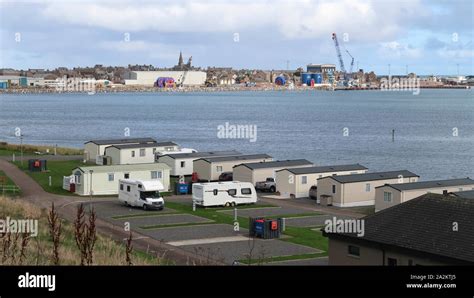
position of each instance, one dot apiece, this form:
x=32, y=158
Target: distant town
x=184, y=76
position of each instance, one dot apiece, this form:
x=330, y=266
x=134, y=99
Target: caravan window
x=142, y=152
x=215, y=191
x=121, y=186
x=128, y=188
x=183, y=164
x=77, y=177
x=218, y=168
x=111, y=177
x=126, y=175
x=246, y=191
x=232, y=192
x=133, y=153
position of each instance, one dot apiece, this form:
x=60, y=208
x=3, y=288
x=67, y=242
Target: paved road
x=33, y=193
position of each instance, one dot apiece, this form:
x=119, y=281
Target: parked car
x=226, y=176
x=267, y=185
x=313, y=192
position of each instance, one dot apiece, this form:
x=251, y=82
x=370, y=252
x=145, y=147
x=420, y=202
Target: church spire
x=180, y=61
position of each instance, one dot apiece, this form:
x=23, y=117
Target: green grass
x=9, y=188
x=57, y=170
x=306, y=237
x=283, y=258
x=298, y=235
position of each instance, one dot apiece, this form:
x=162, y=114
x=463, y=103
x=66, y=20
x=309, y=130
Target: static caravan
x=389, y=195
x=358, y=189
x=260, y=171
x=210, y=168
x=97, y=147
x=296, y=182
x=228, y=193
x=104, y=180
x=182, y=164
x=137, y=153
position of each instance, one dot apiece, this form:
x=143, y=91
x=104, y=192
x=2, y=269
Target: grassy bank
x=39, y=249
x=57, y=170
x=7, y=149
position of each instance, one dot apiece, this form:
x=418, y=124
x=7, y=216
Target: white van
x=140, y=193
x=228, y=193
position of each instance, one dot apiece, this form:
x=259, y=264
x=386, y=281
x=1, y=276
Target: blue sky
x=430, y=37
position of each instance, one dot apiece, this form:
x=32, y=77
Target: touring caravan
x=140, y=193
x=229, y=193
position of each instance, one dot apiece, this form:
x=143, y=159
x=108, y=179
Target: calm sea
x=434, y=131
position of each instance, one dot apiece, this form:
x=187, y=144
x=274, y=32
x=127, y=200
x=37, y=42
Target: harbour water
x=434, y=131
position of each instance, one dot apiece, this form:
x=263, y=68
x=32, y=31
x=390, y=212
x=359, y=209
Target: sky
x=421, y=36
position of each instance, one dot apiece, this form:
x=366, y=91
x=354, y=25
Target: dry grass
x=40, y=250
x=31, y=149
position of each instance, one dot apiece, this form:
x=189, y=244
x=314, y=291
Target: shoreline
x=267, y=88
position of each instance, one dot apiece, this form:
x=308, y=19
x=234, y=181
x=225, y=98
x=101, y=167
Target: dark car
x=226, y=176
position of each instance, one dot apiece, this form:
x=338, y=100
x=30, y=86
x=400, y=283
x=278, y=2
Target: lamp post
x=90, y=184
x=21, y=148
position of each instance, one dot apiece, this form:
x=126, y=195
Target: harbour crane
x=352, y=62
x=339, y=56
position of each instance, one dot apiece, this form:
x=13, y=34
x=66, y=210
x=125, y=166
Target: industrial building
x=260, y=171
x=321, y=68
x=95, y=148
x=389, y=195
x=210, y=168
x=137, y=153
x=148, y=78
x=8, y=81
x=296, y=182
x=104, y=180
x=358, y=189
x=181, y=164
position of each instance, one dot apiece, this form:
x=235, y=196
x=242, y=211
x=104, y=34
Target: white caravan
x=228, y=193
x=141, y=193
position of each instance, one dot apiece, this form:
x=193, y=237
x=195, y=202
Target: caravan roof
x=147, y=185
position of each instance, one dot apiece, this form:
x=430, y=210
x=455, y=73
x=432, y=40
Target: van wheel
x=145, y=207
x=227, y=204
x=233, y=204
x=272, y=189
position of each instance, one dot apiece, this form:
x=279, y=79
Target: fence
x=9, y=189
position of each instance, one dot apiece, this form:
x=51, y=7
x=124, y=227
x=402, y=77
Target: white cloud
x=395, y=49
x=363, y=20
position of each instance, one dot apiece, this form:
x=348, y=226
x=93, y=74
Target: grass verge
x=57, y=170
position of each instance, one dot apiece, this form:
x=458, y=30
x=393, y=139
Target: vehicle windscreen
x=149, y=194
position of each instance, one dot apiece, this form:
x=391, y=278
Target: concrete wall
x=150, y=77
x=406, y=195
x=297, y=188
x=355, y=194
x=339, y=256
x=102, y=186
